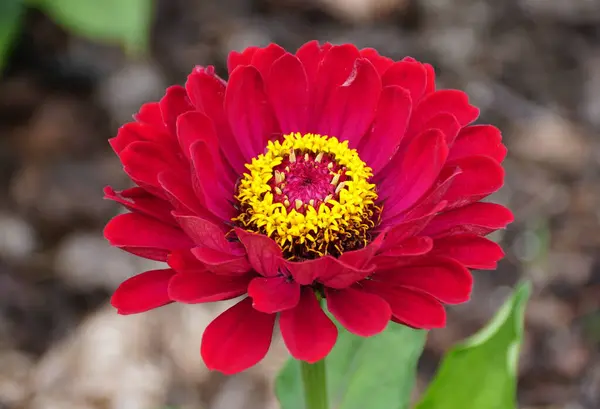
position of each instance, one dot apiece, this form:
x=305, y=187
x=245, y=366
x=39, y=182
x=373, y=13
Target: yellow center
x=311, y=194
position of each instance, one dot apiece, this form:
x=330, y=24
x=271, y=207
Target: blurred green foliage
x=481, y=372
x=374, y=373
x=123, y=22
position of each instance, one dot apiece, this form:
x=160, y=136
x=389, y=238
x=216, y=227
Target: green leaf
x=481, y=372
x=374, y=373
x=11, y=13
x=126, y=22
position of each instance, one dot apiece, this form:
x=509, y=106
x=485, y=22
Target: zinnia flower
x=331, y=175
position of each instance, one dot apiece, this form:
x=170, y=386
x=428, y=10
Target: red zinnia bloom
x=332, y=173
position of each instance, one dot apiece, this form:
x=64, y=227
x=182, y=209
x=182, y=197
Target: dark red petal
x=222, y=263
x=287, y=88
x=391, y=119
x=359, y=312
x=420, y=167
x=207, y=92
x=449, y=101
x=237, y=339
x=184, y=261
x=174, y=103
x=144, y=236
x=444, y=278
x=264, y=58
x=411, y=76
x=143, y=292
x=480, y=177
x=250, y=116
x=474, y=140
x=361, y=258
x=263, y=253
x=204, y=233
x=193, y=287
x=139, y=200
x=479, y=218
x=244, y=58
x=417, y=309
x=306, y=272
x=471, y=250
x=380, y=63
x=413, y=246
x=307, y=331
x=351, y=106
x=150, y=114
x=274, y=294
x=216, y=198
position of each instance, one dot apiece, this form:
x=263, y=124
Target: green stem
x=315, y=384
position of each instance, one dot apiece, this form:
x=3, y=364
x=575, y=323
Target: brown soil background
x=533, y=66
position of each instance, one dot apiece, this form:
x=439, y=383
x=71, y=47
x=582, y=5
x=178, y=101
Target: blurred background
x=72, y=75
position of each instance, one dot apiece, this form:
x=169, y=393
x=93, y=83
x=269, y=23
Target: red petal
x=442, y=277
x=237, y=339
x=274, y=294
x=391, y=118
x=244, y=58
x=380, y=63
x=311, y=55
x=351, y=106
x=144, y=236
x=174, y=103
x=414, y=246
x=361, y=313
x=408, y=228
x=264, y=58
x=217, y=199
x=143, y=292
x=306, y=272
x=184, y=261
x=150, y=114
x=204, y=233
x=287, y=88
x=137, y=132
x=194, y=287
x=411, y=76
x=484, y=140
x=446, y=101
x=430, y=88
x=222, y=263
x=207, y=91
x=263, y=253
x=248, y=111
x=420, y=167
x=447, y=124
x=306, y=330
x=479, y=218
x=139, y=200
x=471, y=250
x=416, y=309
x=480, y=177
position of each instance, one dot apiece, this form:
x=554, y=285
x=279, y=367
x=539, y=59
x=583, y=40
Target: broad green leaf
x=481, y=372
x=126, y=22
x=11, y=13
x=374, y=373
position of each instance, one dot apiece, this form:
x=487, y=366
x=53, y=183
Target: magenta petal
x=411, y=76
x=307, y=331
x=263, y=58
x=274, y=294
x=194, y=287
x=237, y=339
x=144, y=236
x=359, y=312
x=174, y=103
x=143, y=292
x=474, y=140
x=263, y=253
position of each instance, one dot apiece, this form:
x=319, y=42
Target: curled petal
x=143, y=292
x=264, y=254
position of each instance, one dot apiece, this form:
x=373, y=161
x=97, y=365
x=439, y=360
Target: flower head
x=332, y=174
